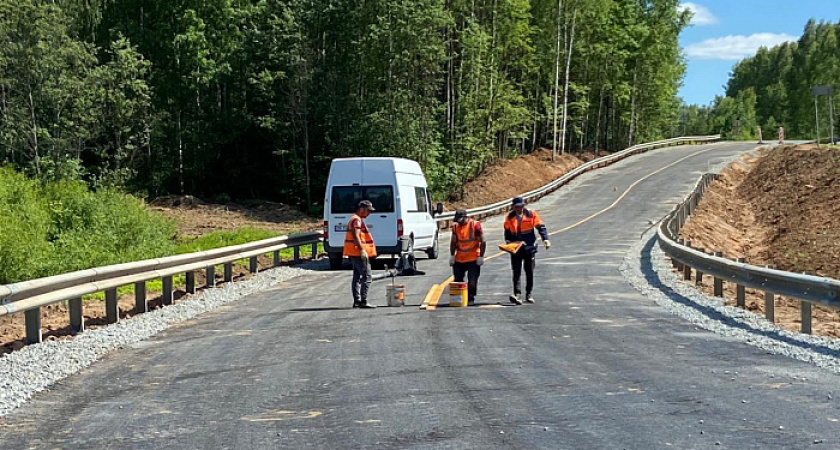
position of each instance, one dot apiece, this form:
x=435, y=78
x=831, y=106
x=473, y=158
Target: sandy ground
x=782, y=209
x=512, y=177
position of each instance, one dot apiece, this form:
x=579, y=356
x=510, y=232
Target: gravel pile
x=36, y=367
x=646, y=267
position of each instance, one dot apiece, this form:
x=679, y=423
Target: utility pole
x=817, y=114
x=831, y=115
x=817, y=91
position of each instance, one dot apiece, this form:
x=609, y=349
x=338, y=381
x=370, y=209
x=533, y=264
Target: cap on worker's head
x=518, y=201
x=460, y=214
x=366, y=204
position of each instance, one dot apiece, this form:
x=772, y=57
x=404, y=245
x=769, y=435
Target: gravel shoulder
x=647, y=268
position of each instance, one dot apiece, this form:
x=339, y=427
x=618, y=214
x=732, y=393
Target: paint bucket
x=458, y=295
x=396, y=294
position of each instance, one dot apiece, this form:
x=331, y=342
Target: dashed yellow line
x=433, y=296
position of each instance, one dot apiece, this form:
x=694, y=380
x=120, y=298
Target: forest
x=254, y=98
x=773, y=89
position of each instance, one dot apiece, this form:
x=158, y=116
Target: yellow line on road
x=433, y=296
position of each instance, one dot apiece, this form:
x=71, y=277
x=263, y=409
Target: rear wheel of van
x=432, y=252
x=336, y=260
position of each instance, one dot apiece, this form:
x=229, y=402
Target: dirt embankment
x=512, y=177
x=782, y=209
x=195, y=217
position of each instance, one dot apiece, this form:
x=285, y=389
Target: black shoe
x=366, y=305
x=471, y=302
x=357, y=304
x=515, y=299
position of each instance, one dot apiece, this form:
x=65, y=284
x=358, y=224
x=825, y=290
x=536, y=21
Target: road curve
x=592, y=365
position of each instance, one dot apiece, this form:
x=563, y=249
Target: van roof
x=398, y=164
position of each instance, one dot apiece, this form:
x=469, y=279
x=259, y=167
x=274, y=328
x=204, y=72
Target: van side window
x=344, y=199
x=420, y=196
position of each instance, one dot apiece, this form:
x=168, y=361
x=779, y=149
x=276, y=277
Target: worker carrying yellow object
x=522, y=225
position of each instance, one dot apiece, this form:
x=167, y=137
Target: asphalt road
x=592, y=365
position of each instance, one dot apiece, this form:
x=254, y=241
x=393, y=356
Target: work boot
x=366, y=305
x=529, y=299
x=515, y=299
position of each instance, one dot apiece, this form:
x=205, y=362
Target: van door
x=382, y=223
x=423, y=224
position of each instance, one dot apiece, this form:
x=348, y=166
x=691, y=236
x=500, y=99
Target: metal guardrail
x=808, y=289
x=503, y=206
x=30, y=296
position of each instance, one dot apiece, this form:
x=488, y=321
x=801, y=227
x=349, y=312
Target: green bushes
x=52, y=228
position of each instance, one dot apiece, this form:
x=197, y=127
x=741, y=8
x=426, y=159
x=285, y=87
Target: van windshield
x=345, y=199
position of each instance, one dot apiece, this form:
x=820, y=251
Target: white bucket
x=395, y=294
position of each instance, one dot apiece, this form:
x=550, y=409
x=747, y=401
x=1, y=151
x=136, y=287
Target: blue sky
x=725, y=31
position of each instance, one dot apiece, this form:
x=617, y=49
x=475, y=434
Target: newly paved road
x=592, y=365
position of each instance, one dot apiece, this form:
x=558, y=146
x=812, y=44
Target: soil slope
x=781, y=208
x=512, y=177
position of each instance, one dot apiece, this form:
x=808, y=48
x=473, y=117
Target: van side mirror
x=438, y=209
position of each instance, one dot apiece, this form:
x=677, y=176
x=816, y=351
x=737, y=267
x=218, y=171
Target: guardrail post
x=276, y=258
x=770, y=306
x=740, y=291
x=686, y=267
x=191, y=282
x=228, y=272
x=253, y=267
x=166, y=296
x=112, y=310
x=211, y=277
x=140, y=304
x=32, y=318
x=718, y=282
x=314, y=250
x=699, y=274
x=806, y=317
x=677, y=264
x=77, y=319
x=297, y=254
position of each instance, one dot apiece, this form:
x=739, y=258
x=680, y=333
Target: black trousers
x=472, y=271
x=517, y=260
x=362, y=277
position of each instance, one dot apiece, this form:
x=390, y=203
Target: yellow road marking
x=433, y=296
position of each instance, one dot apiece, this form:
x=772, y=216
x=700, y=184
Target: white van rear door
x=382, y=223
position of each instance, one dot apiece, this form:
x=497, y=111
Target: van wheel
x=432, y=252
x=336, y=260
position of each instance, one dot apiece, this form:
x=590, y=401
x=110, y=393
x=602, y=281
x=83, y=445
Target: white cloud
x=702, y=15
x=734, y=48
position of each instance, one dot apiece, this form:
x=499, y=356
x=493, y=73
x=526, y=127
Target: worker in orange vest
x=467, y=248
x=522, y=225
x=359, y=248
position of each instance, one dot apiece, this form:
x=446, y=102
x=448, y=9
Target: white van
x=399, y=193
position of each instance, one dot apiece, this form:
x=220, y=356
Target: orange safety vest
x=350, y=247
x=530, y=221
x=468, y=245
